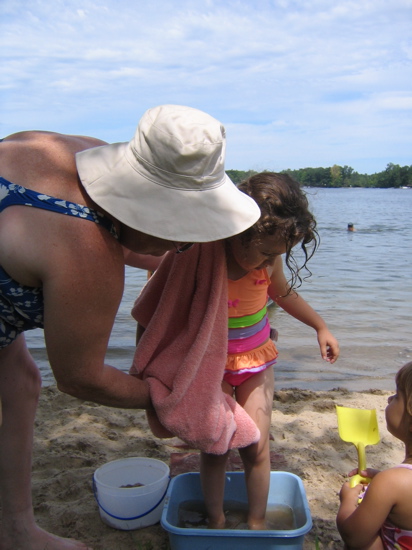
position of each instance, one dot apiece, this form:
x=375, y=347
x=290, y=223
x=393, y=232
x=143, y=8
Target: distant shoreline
x=340, y=177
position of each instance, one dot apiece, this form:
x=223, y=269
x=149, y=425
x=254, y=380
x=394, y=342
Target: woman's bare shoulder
x=39, y=138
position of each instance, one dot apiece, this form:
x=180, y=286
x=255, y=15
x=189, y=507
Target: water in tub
x=192, y=515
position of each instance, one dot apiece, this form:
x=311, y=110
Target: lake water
x=361, y=284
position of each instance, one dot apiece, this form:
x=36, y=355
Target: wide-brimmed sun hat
x=169, y=181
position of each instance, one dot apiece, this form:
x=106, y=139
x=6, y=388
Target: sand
x=73, y=438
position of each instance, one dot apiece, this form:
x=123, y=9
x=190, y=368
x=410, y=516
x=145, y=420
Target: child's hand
x=350, y=495
x=369, y=472
x=329, y=346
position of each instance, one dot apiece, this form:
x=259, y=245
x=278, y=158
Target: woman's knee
x=18, y=370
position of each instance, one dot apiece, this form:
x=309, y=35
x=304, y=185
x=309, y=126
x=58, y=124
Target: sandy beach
x=73, y=438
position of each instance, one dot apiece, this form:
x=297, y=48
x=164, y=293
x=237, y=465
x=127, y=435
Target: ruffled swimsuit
x=21, y=307
x=250, y=349
x=393, y=537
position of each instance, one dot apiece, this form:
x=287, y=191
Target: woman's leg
x=20, y=385
x=255, y=395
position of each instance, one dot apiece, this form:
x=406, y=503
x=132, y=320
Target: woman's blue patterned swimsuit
x=21, y=307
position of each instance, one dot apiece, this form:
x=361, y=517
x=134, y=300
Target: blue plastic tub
x=286, y=489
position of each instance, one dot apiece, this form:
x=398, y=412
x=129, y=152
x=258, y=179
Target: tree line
x=394, y=175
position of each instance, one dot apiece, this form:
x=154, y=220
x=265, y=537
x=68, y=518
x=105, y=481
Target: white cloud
x=309, y=79
x=395, y=101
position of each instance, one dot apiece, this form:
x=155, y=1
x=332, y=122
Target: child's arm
x=296, y=306
x=359, y=525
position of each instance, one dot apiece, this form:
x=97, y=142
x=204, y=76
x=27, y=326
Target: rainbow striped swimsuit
x=250, y=349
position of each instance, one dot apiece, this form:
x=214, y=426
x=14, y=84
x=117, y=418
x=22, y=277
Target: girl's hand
x=369, y=472
x=349, y=495
x=329, y=346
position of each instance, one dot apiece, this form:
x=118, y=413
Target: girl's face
x=257, y=255
x=397, y=419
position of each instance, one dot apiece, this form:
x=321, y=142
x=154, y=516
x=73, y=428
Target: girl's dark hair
x=404, y=384
x=284, y=213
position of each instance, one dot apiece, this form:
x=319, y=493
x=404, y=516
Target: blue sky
x=296, y=83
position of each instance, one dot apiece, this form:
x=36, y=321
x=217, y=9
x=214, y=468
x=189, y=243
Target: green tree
x=237, y=176
x=336, y=176
x=347, y=172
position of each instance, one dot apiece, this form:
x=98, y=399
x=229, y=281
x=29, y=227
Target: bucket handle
x=128, y=519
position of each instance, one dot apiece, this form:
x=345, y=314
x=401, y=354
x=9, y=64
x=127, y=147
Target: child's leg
x=256, y=397
x=377, y=544
x=212, y=476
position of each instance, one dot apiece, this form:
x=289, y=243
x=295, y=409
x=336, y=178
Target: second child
x=383, y=519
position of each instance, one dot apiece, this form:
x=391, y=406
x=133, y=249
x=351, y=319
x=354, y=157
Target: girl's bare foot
x=218, y=523
x=257, y=525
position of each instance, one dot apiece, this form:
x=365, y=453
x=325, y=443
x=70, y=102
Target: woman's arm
x=141, y=261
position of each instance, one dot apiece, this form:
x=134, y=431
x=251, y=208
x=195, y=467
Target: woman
x=65, y=273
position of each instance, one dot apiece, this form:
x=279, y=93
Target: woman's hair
x=404, y=384
x=284, y=213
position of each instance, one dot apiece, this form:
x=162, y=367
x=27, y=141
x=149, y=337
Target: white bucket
x=128, y=508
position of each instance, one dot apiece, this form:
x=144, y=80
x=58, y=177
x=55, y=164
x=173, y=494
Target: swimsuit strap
x=408, y=466
x=12, y=194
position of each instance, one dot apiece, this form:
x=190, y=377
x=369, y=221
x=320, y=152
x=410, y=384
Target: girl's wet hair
x=284, y=213
x=404, y=384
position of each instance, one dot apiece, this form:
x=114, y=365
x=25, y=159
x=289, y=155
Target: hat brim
x=173, y=214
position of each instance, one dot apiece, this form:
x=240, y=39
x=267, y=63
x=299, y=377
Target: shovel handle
x=359, y=480
x=361, y=456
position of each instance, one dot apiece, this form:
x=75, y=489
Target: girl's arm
x=359, y=525
x=296, y=306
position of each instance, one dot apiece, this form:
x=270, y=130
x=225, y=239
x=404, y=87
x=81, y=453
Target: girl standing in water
x=255, y=271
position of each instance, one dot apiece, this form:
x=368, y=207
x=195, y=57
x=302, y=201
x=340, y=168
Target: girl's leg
x=377, y=544
x=212, y=476
x=19, y=393
x=256, y=397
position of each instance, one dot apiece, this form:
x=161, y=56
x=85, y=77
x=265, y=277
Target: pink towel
x=182, y=353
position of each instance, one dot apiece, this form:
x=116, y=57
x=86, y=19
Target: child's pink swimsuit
x=250, y=349
x=394, y=538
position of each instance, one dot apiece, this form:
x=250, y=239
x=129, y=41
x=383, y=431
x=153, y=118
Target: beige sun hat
x=169, y=181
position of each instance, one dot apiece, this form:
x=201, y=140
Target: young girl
x=255, y=271
x=383, y=519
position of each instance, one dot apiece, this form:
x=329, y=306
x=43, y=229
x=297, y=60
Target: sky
x=296, y=83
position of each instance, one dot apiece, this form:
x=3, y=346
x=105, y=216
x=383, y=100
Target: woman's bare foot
x=37, y=539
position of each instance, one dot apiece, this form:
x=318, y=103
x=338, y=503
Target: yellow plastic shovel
x=360, y=427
